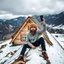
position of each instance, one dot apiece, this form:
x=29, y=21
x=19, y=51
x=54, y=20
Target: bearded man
x=34, y=40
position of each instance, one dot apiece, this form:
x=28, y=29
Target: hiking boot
x=48, y=62
x=45, y=56
x=20, y=58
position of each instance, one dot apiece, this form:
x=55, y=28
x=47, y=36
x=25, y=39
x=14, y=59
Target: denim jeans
x=40, y=41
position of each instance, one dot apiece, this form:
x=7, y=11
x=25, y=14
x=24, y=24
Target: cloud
x=31, y=7
x=8, y=16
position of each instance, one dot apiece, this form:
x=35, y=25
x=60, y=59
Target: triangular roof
x=33, y=19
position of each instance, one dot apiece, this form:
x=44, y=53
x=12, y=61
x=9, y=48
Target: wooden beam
x=48, y=41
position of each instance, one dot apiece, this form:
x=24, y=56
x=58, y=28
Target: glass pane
x=23, y=38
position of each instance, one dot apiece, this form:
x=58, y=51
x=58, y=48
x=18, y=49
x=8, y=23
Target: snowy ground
x=55, y=53
x=59, y=38
x=7, y=51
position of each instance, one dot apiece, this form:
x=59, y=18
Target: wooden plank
x=19, y=62
x=48, y=41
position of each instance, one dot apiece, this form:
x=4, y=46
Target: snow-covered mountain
x=56, y=19
x=10, y=25
x=58, y=29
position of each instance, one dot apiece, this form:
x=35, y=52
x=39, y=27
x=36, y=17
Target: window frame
x=23, y=38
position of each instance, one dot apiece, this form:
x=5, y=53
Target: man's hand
x=33, y=47
x=43, y=22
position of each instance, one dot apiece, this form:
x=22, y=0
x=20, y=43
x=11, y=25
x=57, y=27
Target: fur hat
x=33, y=25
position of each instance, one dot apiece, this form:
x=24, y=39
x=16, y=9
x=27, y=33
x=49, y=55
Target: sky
x=15, y=8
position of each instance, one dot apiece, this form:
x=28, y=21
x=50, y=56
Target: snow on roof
x=55, y=53
x=60, y=39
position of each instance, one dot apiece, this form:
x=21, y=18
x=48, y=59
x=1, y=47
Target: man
x=34, y=41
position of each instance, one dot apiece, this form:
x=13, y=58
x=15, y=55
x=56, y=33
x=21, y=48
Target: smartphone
x=41, y=17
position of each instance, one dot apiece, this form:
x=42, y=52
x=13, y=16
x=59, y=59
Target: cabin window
x=23, y=38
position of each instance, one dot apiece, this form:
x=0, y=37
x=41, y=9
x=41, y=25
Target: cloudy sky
x=14, y=8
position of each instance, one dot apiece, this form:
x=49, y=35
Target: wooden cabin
x=24, y=29
x=20, y=36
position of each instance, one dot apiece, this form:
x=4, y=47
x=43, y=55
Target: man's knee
x=25, y=45
x=41, y=38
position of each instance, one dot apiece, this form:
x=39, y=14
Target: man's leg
x=42, y=42
x=21, y=57
x=24, y=49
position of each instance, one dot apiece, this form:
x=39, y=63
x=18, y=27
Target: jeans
x=40, y=41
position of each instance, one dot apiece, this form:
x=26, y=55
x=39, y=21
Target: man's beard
x=33, y=31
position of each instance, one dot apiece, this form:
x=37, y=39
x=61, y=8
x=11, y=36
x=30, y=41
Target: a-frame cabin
x=19, y=37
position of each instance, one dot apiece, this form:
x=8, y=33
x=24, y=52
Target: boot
x=45, y=56
x=20, y=58
x=48, y=62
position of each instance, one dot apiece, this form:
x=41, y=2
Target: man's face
x=33, y=30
